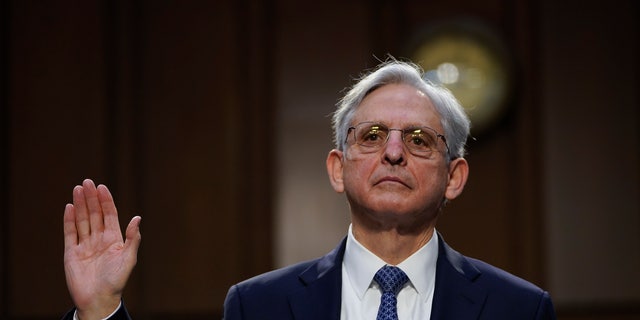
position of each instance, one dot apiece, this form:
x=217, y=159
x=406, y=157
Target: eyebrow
x=407, y=126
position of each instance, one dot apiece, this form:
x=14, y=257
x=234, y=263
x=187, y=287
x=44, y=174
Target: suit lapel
x=456, y=296
x=320, y=295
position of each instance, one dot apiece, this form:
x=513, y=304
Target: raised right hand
x=97, y=261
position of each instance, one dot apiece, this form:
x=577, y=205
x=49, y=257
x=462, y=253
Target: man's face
x=394, y=182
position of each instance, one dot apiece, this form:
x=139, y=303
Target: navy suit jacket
x=465, y=288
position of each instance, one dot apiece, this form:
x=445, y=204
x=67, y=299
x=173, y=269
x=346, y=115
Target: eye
x=419, y=139
x=372, y=135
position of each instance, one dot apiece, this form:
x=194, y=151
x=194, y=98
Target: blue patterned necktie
x=391, y=280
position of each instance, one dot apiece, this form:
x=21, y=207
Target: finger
x=93, y=204
x=132, y=242
x=81, y=213
x=70, y=231
x=108, y=209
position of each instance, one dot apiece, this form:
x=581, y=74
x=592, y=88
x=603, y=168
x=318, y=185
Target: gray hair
x=453, y=118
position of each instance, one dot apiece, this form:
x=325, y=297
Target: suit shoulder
x=483, y=274
x=272, y=290
x=278, y=280
x=501, y=280
x=268, y=291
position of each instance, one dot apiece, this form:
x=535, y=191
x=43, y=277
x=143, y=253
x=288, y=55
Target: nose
x=394, y=150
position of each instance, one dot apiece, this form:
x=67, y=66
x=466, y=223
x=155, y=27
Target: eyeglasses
x=420, y=141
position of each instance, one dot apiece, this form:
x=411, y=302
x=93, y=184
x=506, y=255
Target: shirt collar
x=361, y=265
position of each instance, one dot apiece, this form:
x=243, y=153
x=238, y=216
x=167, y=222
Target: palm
x=97, y=260
x=95, y=266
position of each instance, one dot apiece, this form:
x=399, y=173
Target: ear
x=334, y=169
x=458, y=174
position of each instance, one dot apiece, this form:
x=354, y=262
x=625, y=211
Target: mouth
x=391, y=180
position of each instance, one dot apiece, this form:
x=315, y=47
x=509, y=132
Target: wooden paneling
x=166, y=103
x=56, y=136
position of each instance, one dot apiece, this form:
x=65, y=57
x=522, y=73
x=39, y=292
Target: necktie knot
x=391, y=279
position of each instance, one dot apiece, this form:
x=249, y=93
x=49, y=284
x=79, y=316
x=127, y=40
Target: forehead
x=398, y=105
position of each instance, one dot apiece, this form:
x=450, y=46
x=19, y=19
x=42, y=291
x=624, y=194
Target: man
x=398, y=159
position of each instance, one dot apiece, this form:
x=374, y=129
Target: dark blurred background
x=210, y=119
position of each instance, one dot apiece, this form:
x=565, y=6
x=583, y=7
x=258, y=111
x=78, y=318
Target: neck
x=392, y=245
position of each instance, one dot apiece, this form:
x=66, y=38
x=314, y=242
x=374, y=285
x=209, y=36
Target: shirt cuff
x=75, y=313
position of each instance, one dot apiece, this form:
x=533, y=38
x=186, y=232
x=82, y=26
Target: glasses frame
x=403, y=132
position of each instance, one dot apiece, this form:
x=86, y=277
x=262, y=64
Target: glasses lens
x=420, y=139
x=371, y=135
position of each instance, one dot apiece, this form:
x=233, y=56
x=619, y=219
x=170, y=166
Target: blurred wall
x=211, y=120
x=591, y=153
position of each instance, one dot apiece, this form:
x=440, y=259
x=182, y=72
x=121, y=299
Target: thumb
x=133, y=238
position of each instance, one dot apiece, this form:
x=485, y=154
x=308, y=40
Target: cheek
x=432, y=179
x=357, y=171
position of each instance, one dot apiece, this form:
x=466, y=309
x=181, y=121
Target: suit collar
x=320, y=294
x=456, y=296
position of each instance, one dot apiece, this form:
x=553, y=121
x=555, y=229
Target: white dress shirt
x=361, y=295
